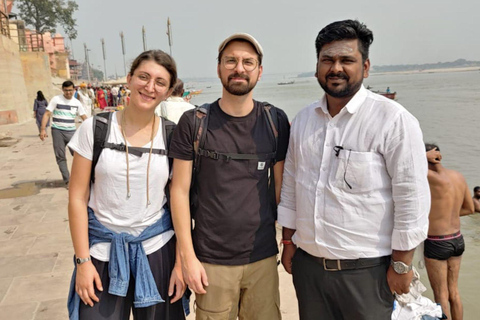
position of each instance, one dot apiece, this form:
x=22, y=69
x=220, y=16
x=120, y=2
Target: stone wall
x=36, y=71
x=62, y=66
x=22, y=74
x=14, y=103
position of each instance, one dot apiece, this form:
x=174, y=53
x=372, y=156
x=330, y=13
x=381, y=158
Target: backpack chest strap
x=136, y=151
x=235, y=156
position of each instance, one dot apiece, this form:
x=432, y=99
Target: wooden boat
x=191, y=92
x=286, y=82
x=389, y=95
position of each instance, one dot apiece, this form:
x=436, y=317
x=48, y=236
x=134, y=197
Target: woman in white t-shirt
x=127, y=197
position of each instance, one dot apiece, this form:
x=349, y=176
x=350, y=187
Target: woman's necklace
x=124, y=122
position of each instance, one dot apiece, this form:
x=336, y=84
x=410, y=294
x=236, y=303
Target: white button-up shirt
x=355, y=185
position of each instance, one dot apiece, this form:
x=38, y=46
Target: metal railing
x=36, y=41
x=28, y=41
x=4, y=24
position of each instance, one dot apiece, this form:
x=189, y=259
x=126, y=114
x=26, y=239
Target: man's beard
x=349, y=90
x=238, y=89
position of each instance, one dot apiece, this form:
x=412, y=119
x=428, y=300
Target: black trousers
x=60, y=139
x=113, y=307
x=340, y=295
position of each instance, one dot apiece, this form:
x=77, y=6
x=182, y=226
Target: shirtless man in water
x=444, y=246
x=476, y=198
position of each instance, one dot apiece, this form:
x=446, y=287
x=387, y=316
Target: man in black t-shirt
x=229, y=260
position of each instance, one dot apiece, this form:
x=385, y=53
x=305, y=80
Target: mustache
x=340, y=75
x=238, y=75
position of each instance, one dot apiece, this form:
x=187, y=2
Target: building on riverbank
x=28, y=61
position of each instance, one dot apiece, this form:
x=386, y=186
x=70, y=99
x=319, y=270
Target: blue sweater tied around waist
x=126, y=256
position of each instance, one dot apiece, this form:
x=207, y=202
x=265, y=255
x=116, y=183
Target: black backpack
x=101, y=131
x=201, y=115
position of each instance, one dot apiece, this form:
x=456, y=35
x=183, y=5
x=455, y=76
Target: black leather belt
x=346, y=264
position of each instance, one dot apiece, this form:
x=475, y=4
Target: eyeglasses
x=231, y=63
x=160, y=85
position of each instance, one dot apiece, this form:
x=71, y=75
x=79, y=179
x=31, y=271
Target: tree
x=46, y=15
x=97, y=74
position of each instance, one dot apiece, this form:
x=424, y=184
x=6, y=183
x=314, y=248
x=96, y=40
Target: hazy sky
x=406, y=32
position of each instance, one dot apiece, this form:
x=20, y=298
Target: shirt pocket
x=359, y=172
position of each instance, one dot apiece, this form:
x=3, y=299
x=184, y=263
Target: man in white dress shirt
x=355, y=196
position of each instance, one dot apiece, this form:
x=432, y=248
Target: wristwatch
x=82, y=260
x=400, y=267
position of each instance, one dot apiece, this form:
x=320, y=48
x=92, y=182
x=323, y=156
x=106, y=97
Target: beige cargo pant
x=249, y=292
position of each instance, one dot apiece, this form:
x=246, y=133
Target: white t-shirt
x=108, y=195
x=64, y=112
x=173, y=108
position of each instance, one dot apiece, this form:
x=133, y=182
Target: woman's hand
x=87, y=275
x=177, y=284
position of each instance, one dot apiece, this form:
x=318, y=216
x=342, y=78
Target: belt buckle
x=339, y=268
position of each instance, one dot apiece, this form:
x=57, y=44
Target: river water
x=447, y=106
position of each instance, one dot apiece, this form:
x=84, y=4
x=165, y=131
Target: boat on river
x=286, y=82
x=389, y=95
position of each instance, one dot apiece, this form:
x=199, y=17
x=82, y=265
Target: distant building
x=54, y=45
x=75, y=69
x=5, y=9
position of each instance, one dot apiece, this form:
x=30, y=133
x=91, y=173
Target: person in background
x=39, y=107
x=109, y=96
x=115, y=95
x=445, y=245
x=121, y=96
x=476, y=198
x=127, y=97
x=64, y=108
x=101, y=98
x=85, y=99
x=124, y=210
x=174, y=107
x=355, y=200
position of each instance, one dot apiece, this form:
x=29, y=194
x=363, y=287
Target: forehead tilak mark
x=337, y=49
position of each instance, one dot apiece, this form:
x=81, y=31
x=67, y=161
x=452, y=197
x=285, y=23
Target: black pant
x=358, y=294
x=60, y=139
x=113, y=307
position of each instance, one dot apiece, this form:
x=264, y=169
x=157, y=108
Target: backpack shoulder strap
x=101, y=130
x=201, y=123
x=168, y=127
x=200, y=131
x=272, y=119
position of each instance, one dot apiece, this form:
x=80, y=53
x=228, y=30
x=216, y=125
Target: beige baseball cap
x=242, y=36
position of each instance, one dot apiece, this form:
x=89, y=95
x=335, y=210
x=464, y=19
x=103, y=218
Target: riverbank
x=443, y=70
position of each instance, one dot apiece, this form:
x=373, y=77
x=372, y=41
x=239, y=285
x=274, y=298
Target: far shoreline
x=441, y=70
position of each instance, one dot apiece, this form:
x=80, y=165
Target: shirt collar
x=352, y=105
